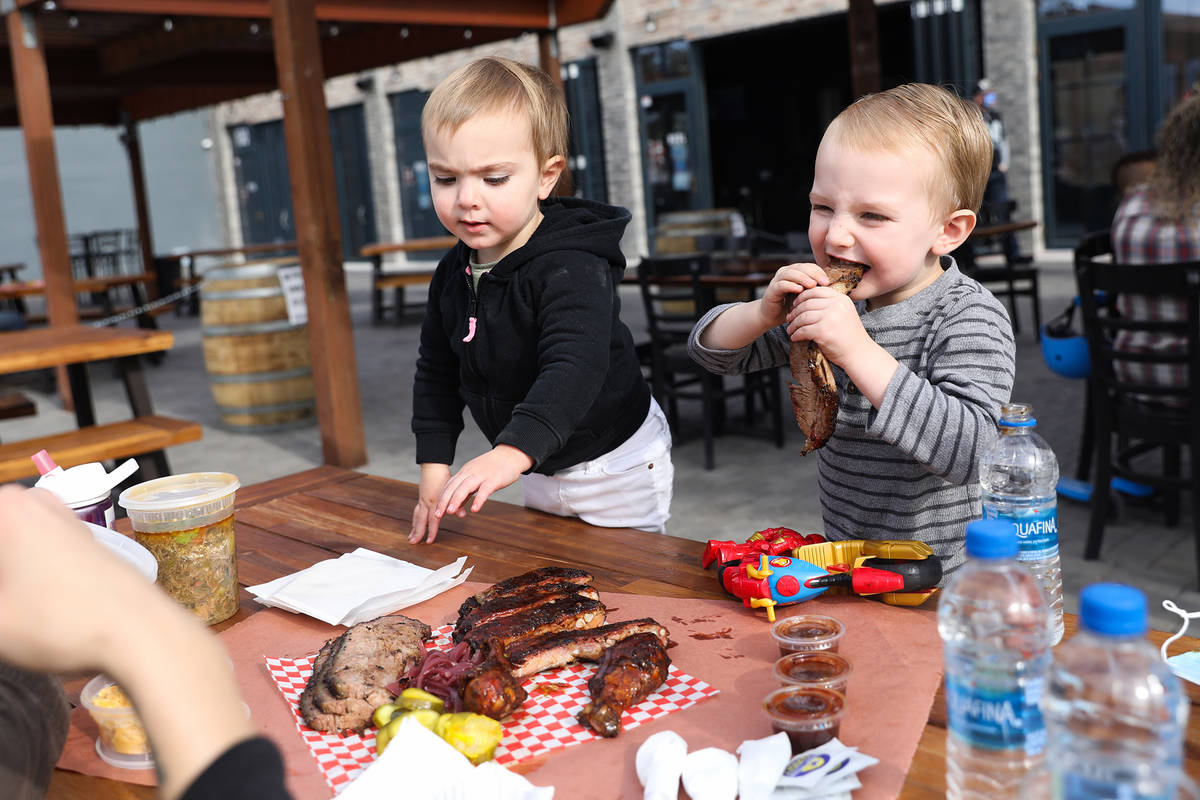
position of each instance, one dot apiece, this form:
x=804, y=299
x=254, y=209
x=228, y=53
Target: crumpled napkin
x=357, y=587
x=419, y=763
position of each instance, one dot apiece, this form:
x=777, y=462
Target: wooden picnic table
x=401, y=279
x=76, y=346
x=289, y=523
x=100, y=287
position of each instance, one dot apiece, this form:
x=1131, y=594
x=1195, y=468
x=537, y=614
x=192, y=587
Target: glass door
x=1093, y=110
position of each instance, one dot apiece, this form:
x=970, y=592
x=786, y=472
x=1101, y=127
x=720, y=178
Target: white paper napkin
x=419, y=763
x=358, y=586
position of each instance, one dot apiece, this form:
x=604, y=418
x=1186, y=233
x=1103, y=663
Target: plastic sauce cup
x=186, y=522
x=807, y=632
x=122, y=741
x=823, y=668
x=809, y=715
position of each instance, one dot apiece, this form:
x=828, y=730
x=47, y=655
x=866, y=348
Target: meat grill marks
x=508, y=605
x=525, y=582
x=351, y=672
x=562, y=614
x=530, y=656
x=629, y=671
x=814, y=391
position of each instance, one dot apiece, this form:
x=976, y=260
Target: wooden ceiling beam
x=157, y=102
x=152, y=46
x=373, y=46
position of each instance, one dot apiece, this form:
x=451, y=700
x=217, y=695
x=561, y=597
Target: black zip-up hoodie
x=538, y=353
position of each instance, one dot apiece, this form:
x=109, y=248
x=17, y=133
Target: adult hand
x=62, y=596
x=481, y=476
x=425, y=524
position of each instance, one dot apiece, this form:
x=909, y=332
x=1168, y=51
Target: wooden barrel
x=258, y=362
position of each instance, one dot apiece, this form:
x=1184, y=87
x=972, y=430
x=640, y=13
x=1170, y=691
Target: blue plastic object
x=991, y=538
x=1081, y=491
x=1113, y=609
x=1064, y=350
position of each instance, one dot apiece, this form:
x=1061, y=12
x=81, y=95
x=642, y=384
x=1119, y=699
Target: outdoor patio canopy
x=117, y=62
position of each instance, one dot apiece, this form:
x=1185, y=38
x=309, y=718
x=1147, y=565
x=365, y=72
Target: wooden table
x=101, y=288
x=173, y=264
x=76, y=346
x=287, y=524
x=398, y=281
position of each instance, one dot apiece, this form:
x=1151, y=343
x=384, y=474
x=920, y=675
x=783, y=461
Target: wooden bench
x=142, y=436
x=398, y=281
x=16, y=404
x=708, y=230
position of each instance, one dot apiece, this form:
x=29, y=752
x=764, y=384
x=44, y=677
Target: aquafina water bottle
x=1019, y=475
x=1116, y=715
x=993, y=620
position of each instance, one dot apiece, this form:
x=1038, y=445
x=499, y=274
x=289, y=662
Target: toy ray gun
x=764, y=572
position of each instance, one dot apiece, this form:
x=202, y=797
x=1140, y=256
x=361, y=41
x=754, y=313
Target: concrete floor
x=754, y=485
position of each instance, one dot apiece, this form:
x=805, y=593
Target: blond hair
x=500, y=84
x=1174, y=186
x=918, y=115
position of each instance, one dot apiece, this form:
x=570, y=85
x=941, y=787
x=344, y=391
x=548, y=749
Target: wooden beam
x=154, y=45
x=864, y=48
x=165, y=100
x=32, y=84
x=373, y=45
x=318, y=231
x=133, y=147
x=548, y=58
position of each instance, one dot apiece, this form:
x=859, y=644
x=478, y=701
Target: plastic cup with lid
x=186, y=522
x=86, y=489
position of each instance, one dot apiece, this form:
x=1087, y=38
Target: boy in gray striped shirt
x=923, y=355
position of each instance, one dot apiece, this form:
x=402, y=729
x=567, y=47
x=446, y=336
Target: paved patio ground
x=754, y=485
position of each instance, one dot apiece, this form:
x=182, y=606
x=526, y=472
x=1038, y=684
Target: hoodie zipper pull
x=471, y=314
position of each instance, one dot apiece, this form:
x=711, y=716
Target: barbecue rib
x=509, y=605
x=524, y=582
x=351, y=672
x=563, y=614
x=814, y=391
x=494, y=691
x=629, y=671
x=552, y=650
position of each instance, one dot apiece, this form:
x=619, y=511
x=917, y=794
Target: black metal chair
x=1134, y=418
x=674, y=300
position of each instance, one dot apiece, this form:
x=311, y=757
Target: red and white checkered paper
x=545, y=722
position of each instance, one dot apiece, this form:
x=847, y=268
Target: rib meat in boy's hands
x=814, y=392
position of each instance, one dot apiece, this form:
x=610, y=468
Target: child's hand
x=481, y=476
x=784, y=288
x=829, y=318
x=425, y=524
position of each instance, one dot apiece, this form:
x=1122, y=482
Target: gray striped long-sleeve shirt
x=908, y=470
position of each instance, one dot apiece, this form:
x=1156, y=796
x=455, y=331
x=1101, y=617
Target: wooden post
x=32, y=86
x=548, y=57
x=133, y=147
x=864, y=48
x=318, y=232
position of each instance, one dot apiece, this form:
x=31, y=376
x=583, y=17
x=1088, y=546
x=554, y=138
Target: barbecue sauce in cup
x=823, y=668
x=807, y=632
x=809, y=715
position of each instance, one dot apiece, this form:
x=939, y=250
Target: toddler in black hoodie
x=523, y=321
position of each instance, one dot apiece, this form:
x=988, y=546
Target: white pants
x=629, y=487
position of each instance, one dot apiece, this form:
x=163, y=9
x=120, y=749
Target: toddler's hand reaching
x=433, y=479
x=481, y=476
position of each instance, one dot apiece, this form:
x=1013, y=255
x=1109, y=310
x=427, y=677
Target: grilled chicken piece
x=509, y=605
x=524, y=582
x=553, y=650
x=814, y=391
x=629, y=671
x=351, y=672
x=563, y=614
x=494, y=691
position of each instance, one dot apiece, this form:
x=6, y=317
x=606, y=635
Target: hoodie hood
x=571, y=223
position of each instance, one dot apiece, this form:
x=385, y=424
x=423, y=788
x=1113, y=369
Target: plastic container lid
x=179, y=501
x=1113, y=609
x=991, y=538
x=82, y=485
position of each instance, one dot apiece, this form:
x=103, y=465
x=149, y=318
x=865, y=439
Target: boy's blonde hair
x=501, y=84
x=930, y=117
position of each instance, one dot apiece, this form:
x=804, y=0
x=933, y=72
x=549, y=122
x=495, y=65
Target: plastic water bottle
x=1116, y=715
x=993, y=619
x=1018, y=475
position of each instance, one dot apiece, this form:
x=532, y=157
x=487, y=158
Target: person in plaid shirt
x=1159, y=223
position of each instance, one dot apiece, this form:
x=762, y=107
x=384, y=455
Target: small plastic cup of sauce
x=123, y=741
x=806, y=633
x=809, y=715
x=823, y=668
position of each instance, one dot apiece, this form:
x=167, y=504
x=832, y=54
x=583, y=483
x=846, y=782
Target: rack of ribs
x=525, y=582
x=629, y=671
x=565, y=613
x=814, y=390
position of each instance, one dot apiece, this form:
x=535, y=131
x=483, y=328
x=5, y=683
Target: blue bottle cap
x=991, y=538
x=1113, y=609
